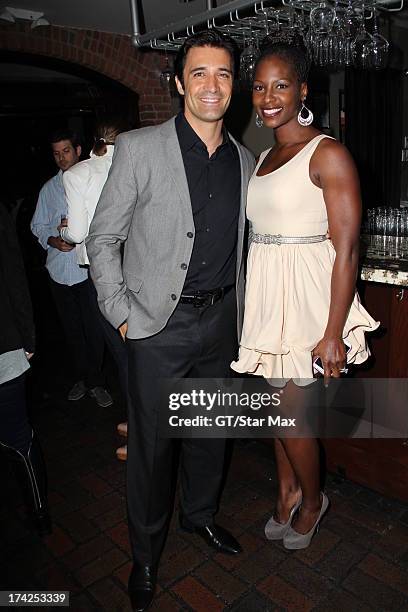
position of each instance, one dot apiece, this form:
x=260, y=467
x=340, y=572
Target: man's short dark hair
x=207, y=38
x=65, y=134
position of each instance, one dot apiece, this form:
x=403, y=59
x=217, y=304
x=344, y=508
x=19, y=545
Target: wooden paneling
x=398, y=352
x=381, y=464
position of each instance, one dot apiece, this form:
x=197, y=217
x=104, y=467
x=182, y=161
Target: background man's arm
x=41, y=224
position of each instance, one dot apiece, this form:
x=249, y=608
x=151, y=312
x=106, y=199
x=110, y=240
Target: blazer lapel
x=174, y=162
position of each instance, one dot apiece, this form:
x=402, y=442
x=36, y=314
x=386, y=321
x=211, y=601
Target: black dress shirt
x=215, y=192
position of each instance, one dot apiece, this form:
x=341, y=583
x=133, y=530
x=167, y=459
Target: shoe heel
x=296, y=541
x=276, y=531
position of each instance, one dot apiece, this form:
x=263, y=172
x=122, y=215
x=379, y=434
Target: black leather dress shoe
x=215, y=536
x=141, y=586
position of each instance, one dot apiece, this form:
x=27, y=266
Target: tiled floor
x=358, y=561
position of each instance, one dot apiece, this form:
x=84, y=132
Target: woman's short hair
x=208, y=38
x=289, y=47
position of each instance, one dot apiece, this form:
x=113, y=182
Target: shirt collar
x=188, y=138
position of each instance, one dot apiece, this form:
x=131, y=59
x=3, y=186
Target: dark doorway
x=39, y=94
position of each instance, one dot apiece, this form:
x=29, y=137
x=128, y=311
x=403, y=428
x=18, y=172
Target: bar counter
x=385, y=270
x=380, y=464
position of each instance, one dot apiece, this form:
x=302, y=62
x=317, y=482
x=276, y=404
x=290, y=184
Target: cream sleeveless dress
x=288, y=289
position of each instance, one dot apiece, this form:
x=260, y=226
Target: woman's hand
x=332, y=352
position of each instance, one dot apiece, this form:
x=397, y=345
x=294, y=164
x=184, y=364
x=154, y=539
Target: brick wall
x=109, y=54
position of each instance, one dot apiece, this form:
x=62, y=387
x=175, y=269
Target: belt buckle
x=211, y=299
x=201, y=300
x=219, y=295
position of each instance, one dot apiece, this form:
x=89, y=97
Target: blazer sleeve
x=109, y=230
x=15, y=284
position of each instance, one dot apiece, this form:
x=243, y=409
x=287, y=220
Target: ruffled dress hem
x=295, y=363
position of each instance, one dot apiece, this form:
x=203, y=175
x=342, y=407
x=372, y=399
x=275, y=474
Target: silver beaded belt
x=278, y=239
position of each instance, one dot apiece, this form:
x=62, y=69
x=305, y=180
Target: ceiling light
x=5, y=15
x=39, y=22
x=10, y=13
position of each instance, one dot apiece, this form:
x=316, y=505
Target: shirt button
x=207, y=229
x=203, y=263
x=190, y=234
x=210, y=195
x=173, y=296
x=183, y=266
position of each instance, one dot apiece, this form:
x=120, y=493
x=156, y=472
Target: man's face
x=208, y=80
x=65, y=154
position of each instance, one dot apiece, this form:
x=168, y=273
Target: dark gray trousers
x=199, y=343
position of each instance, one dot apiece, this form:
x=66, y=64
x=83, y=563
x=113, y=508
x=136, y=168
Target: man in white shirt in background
x=83, y=184
x=69, y=282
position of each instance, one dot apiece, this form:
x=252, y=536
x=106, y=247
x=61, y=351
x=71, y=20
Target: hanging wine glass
x=166, y=75
x=248, y=60
x=361, y=48
x=332, y=41
x=361, y=45
x=302, y=20
x=334, y=33
x=379, y=46
x=348, y=26
x=320, y=50
x=322, y=18
x=271, y=21
x=287, y=17
x=336, y=37
x=305, y=28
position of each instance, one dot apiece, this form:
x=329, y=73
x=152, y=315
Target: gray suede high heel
x=275, y=530
x=294, y=540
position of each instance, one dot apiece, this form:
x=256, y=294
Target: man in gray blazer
x=175, y=198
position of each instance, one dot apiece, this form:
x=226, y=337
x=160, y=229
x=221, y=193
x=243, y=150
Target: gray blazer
x=145, y=205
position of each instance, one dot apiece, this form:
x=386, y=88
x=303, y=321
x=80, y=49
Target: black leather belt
x=205, y=298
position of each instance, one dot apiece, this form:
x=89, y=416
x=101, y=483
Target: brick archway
x=109, y=54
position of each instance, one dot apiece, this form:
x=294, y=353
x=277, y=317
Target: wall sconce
x=11, y=14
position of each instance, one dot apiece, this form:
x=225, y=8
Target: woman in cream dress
x=300, y=299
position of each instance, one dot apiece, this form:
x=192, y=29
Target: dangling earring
x=305, y=121
x=258, y=121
